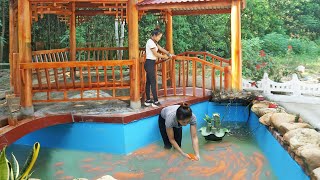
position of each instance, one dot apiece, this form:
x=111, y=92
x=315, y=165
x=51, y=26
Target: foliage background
x=288, y=32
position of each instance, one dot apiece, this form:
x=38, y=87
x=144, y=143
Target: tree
x=3, y=28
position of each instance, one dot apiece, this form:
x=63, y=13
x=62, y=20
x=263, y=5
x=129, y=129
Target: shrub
x=275, y=44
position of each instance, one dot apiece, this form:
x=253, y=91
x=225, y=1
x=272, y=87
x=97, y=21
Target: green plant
x=10, y=170
x=213, y=126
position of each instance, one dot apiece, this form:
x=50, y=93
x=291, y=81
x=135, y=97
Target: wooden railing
x=104, y=77
x=185, y=75
x=82, y=54
x=208, y=57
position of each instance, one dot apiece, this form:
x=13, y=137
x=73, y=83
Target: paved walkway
x=308, y=107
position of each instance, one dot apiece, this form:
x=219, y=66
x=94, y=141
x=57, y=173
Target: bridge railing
x=105, y=78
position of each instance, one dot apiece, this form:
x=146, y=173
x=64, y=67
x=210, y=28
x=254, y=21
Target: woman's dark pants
x=149, y=67
x=177, y=133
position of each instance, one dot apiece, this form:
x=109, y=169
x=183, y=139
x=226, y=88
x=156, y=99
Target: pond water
x=236, y=157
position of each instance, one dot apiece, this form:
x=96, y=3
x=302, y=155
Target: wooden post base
x=135, y=104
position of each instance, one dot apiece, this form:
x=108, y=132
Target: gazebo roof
x=188, y=7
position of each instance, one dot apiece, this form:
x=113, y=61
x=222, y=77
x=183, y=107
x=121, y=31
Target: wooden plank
x=98, y=81
x=121, y=75
x=185, y=5
x=48, y=82
x=64, y=77
x=203, y=81
x=102, y=49
x=124, y=98
x=201, y=12
x=194, y=78
x=183, y=78
x=70, y=86
x=174, y=77
x=49, y=51
x=113, y=82
x=105, y=75
x=89, y=76
x=75, y=64
x=164, y=78
x=213, y=79
x=81, y=82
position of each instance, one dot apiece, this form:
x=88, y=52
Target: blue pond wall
x=126, y=138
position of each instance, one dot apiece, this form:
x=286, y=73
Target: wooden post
x=73, y=46
x=169, y=31
x=236, y=45
x=135, y=102
x=11, y=35
x=24, y=35
x=227, y=78
x=169, y=40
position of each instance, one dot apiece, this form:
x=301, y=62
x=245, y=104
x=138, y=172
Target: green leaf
x=4, y=167
x=15, y=166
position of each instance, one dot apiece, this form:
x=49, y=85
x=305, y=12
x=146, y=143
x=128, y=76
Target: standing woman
x=152, y=55
x=171, y=120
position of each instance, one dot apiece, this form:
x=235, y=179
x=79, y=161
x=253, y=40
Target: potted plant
x=213, y=130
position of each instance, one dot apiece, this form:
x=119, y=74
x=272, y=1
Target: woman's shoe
x=156, y=104
x=148, y=102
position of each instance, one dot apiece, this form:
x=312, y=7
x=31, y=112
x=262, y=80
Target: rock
x=315, y=175
x=301, y=69
x=311, y=158
x=106, y=177
x=263, y=104
x=265, y=119
x=301, y=137
x=263, y=111
x=308, y=146
x=285, y=127
x=278, y=118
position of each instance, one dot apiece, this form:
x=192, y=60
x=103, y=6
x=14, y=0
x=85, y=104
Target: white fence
x=294, y=87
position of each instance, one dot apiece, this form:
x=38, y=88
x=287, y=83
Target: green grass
x=310, y=62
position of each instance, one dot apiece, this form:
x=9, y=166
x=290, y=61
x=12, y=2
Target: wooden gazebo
x=79, y=69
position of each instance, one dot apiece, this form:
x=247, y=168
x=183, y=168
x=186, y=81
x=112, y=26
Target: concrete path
x=308, y=107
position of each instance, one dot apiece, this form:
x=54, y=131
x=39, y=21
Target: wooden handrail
x=205, y=53
x=49, y=51
x=75, y=64
x=198, y=60
x=102, y=48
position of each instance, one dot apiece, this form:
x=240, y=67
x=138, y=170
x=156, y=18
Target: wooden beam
x=134, y=54
x=200, y=12
x=181, y=5
x=78, y=1
x=236, y=52
x=24, y=33
x=72, y=39
x=94, y=12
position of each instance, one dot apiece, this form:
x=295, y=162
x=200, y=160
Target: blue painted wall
x=281, y=162
x=230, y=113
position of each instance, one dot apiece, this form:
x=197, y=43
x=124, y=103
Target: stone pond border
x=259, y=106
